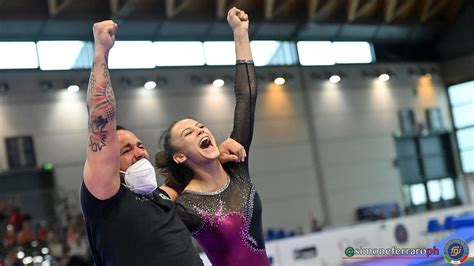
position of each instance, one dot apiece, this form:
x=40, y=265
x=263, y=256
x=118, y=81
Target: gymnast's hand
x=231, y=151
x=104, y=35
x=238, y=19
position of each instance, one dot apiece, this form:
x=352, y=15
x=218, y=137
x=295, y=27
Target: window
x=460, y=94
x=461, y=117
x=467, y=161
x=18, y=55
x=461, y=97
x=273, y=53
x=434, y=190
x=448, y=191
x=64, y=55
x=178, y=53
x=132, y=54
x=219, y=53
x=352, y=52
x=330, y=53
x=418, y=194
x=315, y=53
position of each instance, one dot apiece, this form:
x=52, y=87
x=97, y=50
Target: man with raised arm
x=129, y=220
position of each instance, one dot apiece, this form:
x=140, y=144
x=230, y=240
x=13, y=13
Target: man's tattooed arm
x=100, y=107
x=101, y=170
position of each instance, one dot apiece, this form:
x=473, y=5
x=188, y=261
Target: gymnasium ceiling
x=401, y=30
x=382, y=21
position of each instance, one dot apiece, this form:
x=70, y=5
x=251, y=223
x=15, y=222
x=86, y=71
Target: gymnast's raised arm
x=245, y=80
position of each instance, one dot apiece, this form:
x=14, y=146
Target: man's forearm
x=100, y=103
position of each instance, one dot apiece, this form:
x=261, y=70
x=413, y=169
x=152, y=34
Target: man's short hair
x=119, y=127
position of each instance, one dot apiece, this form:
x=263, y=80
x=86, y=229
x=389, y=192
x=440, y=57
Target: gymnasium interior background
x=373, y=122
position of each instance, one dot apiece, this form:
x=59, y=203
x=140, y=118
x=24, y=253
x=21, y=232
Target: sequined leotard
x=228, y=223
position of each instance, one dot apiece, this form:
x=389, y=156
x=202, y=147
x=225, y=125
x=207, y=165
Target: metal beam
x=312, y=7
x=114, y=6
x=269, y=5
x=352, y=9
x=221, y=8
x=453, y=11
x=355, y=12
x=432, y=8
x=172, y=9
x=392, y=11
x=122, y=10
x=271, y=12
x=57, y=6
x=317, y=12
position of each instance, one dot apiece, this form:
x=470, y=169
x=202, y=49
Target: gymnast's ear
x=179, y=158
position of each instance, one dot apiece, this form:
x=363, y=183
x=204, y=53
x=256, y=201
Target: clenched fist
x=104, y=35
x=238, y=19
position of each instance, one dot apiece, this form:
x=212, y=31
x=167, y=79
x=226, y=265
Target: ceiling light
x=279, y=81
x=384, y=77
x=150, y=85
x=218, y=83
x=334, y=79
x=73, y=88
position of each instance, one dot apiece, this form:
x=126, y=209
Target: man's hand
x=104, y=35
x=238, y=19
x=231, y=151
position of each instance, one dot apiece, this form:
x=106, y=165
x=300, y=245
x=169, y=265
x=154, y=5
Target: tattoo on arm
x=98, y=134
x=101, y=102
x=91, y=85
x=105, y=68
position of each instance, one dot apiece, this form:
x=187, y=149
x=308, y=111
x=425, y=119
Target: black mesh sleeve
x=244, y=114
x=190, y=219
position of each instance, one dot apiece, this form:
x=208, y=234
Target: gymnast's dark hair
x=177, y=176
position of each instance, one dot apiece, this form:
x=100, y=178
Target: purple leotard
x=228, y=223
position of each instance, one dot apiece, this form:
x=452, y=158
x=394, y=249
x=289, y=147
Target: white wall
x=353, y=122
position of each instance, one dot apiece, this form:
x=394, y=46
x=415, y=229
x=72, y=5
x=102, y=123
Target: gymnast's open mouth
x=205, y=143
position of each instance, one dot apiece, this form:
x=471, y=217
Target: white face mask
x=140, y=177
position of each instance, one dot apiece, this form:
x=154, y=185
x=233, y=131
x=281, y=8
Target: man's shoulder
x=162, y=194
x=94, y=207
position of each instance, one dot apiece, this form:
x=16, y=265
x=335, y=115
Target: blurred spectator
x=381, y=215
x=43, y=231
x=16, y=218
x=77, y=242
x=61, y=246
x=395, y=212
x=56, y=248
x=315, y=226
x=12, y=260
x=9, y=239
x=25, y=235
x=299, y=230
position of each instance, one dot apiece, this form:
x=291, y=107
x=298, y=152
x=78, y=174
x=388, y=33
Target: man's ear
x=179, y=158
